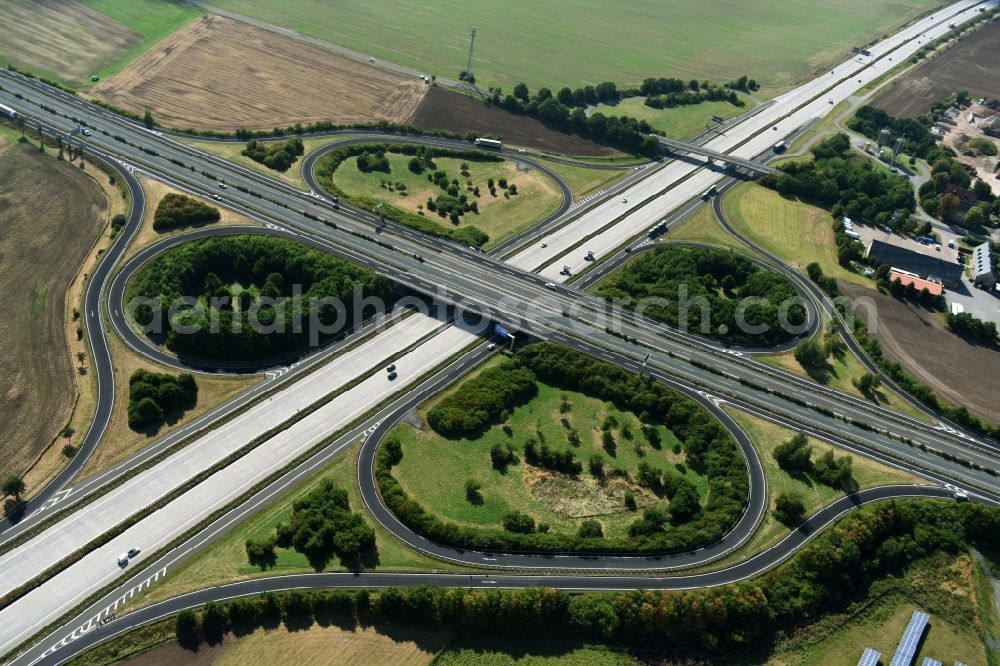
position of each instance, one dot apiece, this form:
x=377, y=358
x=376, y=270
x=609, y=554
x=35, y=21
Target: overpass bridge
x=684, y=147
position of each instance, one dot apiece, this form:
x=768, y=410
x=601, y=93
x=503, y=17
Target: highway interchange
x=508, y=288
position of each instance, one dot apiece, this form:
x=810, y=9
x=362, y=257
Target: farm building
x=948, y=273
x=982, y=266
x=905, y=278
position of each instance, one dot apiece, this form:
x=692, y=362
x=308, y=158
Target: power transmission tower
x=468, y=66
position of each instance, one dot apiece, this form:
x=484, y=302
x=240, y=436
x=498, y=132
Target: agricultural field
x=960, y=373
x=219, y=74
x=446, y=110
x=71, y=41
x=52, y=215
x=778, y=42
x=500, y=215
x=679, y=122
x=794, y=231
x=963, y=66
x=434, y=470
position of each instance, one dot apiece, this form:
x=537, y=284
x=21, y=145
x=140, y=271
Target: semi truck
x=489, y=143
x=8, y=112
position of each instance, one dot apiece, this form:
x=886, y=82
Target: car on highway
x=123, y=560
x=624, y=199
x=391, y=367
x=222, y=185
x=133, y=551
x=86, y=132
x=217, y=197
x=490, y=347
x=545, y=244
x=550, y=285
x=960, y=495
x=371, y=59
x=392, y=375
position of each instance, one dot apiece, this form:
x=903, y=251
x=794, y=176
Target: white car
x=85, y=132
x=624, y=199
x=491, y=347
x=371, y=59
x=222, y=185
x=961, y=495
x=123, y=560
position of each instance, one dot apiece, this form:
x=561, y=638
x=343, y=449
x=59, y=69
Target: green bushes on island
x=277, y=155
x=250, y=297
x=372, y=155
x=844, y=564
x=179, y=210
x=709, y=448
x=322, y=525
x=676, y=280
x=154, y=396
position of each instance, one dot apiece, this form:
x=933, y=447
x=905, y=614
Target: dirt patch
x=446, y=110
x=959, y=372
x=171, y=653
x=964, y=66
x=219, y=74
x=578, y=497
x=62, y=37
x=50, y=218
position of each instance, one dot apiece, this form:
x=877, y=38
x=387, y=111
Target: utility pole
x=468, y=66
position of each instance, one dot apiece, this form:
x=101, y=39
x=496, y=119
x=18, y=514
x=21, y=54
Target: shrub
x=178, y=210
x=154, y=396
x=275, y=155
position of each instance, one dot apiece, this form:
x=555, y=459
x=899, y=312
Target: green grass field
x=702, y=227
x=153, y=19
x=778, y=42
x=434, y=470
x=233, y=152
x=499, y=216
x=680, y=122
x=581, y=180
x=797, y=232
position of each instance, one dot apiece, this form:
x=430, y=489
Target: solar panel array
x=911, y=637
x=869, y=657
x=930, y=661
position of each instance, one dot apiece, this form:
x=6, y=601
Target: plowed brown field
x=219, y=74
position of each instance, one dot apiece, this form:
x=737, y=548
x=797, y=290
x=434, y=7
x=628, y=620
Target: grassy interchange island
x=549, y=450
x=467, y=195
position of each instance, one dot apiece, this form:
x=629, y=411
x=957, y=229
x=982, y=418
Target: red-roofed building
x=905, y=278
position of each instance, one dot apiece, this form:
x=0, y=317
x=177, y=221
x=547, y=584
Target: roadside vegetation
x=278, y=155
x=179, y=210
x=234, y=277
x=674, y=281
x=469, y=196
x=551, y=450
x=154, y=397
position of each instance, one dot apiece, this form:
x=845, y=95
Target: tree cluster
x=972, y=328
x=708, y=446
x=551, y=459
x=688, y=98
x=795, y=455
x=322, y=525
x=154, y=396
x=277, y=155
x=838, y=567
x=179, y=210
x=271, y=271
x=851, y=185
x=678, y=279
x=373, y=161
x=481, y=401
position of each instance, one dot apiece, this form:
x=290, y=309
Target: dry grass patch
x=216, y=73
x=62, y=38
x=51, y=215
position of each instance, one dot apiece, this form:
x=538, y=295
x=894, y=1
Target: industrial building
x=936, y=269
x=982, y=267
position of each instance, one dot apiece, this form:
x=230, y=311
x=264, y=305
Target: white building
x=982, y=267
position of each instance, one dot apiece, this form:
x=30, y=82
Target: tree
x=518, y=522
x=473, y=491
x=794, y=454
x=948, y=207
x=810, y=354
x=868, y=383
x=12, y=486
x=974, y=218
x=260, y=552
x=187, y=629
x=684, y=504
x=834, y=472
x=147, y=119
x=590, y=529
x=521, y=92
x=789, y=509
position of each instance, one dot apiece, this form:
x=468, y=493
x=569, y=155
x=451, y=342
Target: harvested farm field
x=959, y=372
x=61, y=38
x=970, y=65
x=52, y=214
x=219, y=74
x=446, y=110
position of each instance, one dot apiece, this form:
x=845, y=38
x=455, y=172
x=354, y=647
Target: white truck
x=489, y=143
x=8, y=112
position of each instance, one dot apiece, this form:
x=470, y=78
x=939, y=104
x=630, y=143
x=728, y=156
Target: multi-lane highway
x=504, y=291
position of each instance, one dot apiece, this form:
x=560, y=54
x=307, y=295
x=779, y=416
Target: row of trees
x=205, y=269
x=836, y=568
x=179, y=210
x=322, y=525
x=708, y=446
x=702, y=290
x=279, y=156
x=482, y=400
x=154, y=396
x=967, y=326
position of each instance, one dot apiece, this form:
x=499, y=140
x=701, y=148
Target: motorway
x=458, y=276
